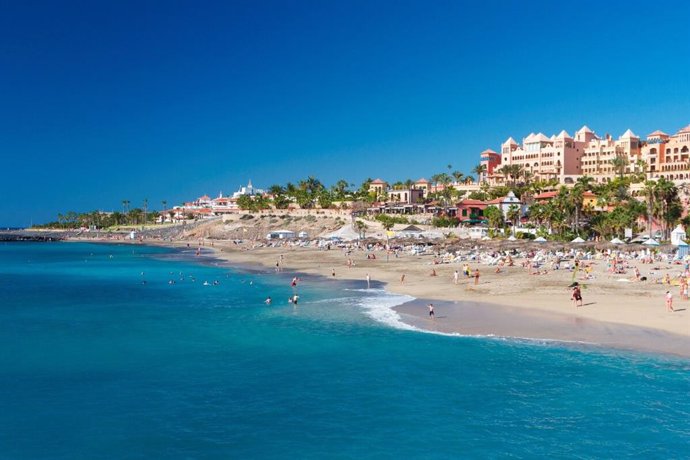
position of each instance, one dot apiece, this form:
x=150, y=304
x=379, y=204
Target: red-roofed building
x=471, y=210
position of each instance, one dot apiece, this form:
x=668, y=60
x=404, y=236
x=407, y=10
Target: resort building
x=540, y=157
x=491, y=161
x=406, y=196
x=379, y=187
x=566, y=158
x=423, y=185
x=471, y=211
x=605, y=158
x=668, y=156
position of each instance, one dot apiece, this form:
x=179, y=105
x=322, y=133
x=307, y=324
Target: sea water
x=128, y=351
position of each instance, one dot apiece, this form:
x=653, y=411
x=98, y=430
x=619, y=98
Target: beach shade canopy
x=651, y=242
x=486, y=238
x=541, y=239
x=578, y=240
x=618, y=241
x=511, y=238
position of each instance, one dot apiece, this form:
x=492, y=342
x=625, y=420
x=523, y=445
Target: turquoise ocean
x=101, y=357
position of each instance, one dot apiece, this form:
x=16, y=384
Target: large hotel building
x=565, y=158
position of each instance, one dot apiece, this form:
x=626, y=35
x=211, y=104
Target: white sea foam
x=378, y=305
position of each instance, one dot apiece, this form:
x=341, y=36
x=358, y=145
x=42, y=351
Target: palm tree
x=445, y=180
x=457, y=175
x=479, y=171
x=125, y=206
x=582, y=185
x=515, y=173
x=340, y=189
x=276, y=190
x=527, y=176
x=667, y=197
x=146, y=205
x=165, y=204
x=649, y=192
x=511, y=171
x=505, y=170
x=640, y=171
x=361, y=228
x=513, y=215
x=619, y=163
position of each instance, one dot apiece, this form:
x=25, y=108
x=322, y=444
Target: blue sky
x=105, y=101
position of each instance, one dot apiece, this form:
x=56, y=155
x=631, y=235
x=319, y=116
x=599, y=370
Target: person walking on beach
x=476, y=277
x=577, y=296
x=669, y=301
x=456, y=276
x=402, y=279
x=368, y=281
x=431, y=311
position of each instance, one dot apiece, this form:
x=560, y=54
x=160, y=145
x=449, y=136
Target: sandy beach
x=616, y=311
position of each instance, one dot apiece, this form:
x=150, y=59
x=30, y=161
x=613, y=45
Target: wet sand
x=484, y=319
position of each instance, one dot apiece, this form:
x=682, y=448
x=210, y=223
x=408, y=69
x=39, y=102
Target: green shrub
x=445, y=221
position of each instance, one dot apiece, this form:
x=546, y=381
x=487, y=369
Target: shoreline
x=484, y=320
x=512, y=304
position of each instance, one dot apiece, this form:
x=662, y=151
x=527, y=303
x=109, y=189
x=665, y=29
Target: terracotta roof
x=545, y=195
x=422, y=181
x=378, y=181
x=563, y=135
x=489, y=151
x=657, y=133
x=470, y=202
x=585, y=129
x=685, y=130
x=510, y=141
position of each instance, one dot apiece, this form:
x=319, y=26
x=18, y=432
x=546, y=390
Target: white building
x=248, y=190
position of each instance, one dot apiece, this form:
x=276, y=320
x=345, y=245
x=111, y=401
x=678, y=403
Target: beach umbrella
x=578, y=240
x=540, y=239
x=617, y=241
x=511, y=238
x=486, y=238
x=651, y=242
